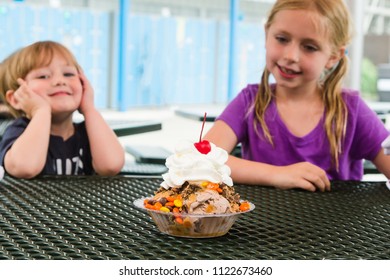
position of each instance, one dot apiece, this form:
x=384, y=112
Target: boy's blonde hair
x=337, y=26
x=26, y=59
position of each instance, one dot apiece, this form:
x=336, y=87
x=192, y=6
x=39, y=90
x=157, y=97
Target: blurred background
x=159, y=53
x=148, y=58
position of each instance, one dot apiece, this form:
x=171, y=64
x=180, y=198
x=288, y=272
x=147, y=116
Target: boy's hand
x=87, y=100
x=28, y=101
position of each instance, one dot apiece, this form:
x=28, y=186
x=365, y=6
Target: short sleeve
x=11, y=133
x=236, y=113
x=369, y=132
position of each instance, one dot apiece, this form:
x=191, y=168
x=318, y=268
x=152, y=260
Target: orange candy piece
x=149, y=206
x=187, y=223
x=157, y=206
x=214, y=186
x=244, y=206
x=170, y=203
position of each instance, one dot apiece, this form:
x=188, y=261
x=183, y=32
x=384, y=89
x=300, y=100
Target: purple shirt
x=364, y=135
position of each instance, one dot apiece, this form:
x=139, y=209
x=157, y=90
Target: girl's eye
x=281, y=39
x=310, y=48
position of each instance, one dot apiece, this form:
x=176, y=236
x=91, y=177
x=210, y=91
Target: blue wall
x=170, y=61
x=167, y=60
x=185, y=61
x=86, y=33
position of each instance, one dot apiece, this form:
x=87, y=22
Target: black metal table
x=198, y=114
x=94, y=218
x=125, y=127
x=120, y=127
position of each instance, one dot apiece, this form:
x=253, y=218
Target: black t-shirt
x=70, y=157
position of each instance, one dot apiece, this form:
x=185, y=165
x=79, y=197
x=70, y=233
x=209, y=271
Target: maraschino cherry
x=204, y=146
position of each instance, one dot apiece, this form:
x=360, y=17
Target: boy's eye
x=69, y=74
x=43, y=77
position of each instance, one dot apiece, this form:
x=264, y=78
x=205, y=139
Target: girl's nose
x=291, y=53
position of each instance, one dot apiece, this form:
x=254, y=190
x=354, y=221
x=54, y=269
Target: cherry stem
x=201, y=132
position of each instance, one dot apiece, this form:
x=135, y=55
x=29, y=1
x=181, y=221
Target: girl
x=43, y=85
x=305, y=129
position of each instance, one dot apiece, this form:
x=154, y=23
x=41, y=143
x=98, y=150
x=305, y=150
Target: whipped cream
x=188, y=164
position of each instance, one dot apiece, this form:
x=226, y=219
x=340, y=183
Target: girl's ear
x=335, y=58
x=10, y=97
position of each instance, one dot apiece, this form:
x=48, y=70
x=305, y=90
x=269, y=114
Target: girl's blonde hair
x=26, y=59
x=337, y=25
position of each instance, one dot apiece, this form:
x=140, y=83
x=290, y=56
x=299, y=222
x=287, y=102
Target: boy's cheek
x=34, y=86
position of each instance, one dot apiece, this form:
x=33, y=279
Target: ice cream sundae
x=197, y=183
x=196, y=197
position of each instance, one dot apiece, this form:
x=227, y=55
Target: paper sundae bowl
x=192, y=225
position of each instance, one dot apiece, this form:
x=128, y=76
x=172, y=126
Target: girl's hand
x=87, y=100
x=28, y=101
x=302, y=175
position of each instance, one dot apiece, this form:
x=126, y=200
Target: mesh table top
x=94, y=218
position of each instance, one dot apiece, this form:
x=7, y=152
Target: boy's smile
x=57, y=93
x=58, y=83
